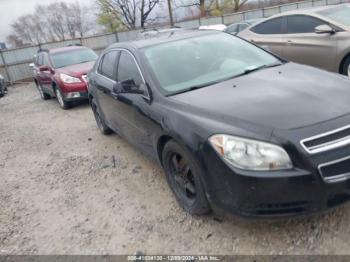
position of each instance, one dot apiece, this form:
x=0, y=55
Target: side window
x=108, y=63
x=270, y=27
x=128, y=72
x=299, y=24
x=45, y=60
x=39, y=59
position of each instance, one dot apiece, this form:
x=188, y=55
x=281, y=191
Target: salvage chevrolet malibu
x=235, y=128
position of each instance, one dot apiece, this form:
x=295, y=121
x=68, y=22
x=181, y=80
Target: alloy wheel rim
x=59, y=98
x=182, y=176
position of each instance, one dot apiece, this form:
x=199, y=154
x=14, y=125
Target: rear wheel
x=64, y=104
x=346, y=67
x=99, y=121
x=183, y=176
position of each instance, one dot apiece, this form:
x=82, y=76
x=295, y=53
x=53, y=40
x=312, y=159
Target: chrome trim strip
x=329, y=145
x=337, y=178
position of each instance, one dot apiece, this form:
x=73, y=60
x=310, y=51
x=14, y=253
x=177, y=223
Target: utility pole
x=170, y=13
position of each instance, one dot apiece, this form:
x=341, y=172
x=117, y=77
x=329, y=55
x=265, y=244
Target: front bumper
x=269, y=194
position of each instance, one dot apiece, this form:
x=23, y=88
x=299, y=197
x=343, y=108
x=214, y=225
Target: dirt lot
x=61, y=194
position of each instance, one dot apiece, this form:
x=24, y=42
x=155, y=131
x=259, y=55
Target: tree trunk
x=202, y=7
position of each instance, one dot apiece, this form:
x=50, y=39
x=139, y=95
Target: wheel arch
x=343, y=61
x=161, y=144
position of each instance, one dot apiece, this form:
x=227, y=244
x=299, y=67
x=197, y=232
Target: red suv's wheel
x=64, y=104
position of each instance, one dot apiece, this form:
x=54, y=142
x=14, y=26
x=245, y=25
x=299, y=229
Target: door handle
x=289, y=42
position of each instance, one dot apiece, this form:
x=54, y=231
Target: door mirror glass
x=129, y=86
x=324, y=29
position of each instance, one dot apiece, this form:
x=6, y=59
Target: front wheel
x=60, y=99
x=346, y=67
x=183, y=176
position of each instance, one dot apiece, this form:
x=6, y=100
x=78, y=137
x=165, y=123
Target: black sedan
x=234, y=127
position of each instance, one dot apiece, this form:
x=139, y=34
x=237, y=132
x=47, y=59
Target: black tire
x=63, y=104
x=102, y=126
x=43, y=95
x=183, y=176
x=346, y=67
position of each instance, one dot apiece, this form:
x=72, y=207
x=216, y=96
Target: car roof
x=309, y=10
x=164, y=38
x=63, y=49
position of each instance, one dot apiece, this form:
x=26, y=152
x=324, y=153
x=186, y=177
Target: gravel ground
x=60, y=193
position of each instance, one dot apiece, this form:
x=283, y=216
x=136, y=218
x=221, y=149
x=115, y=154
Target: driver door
x=133, y=104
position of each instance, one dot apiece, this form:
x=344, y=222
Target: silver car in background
x=318, y=37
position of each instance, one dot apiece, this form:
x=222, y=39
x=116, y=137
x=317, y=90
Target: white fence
x=14, y=62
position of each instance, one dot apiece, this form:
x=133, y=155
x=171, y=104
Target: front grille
x=336, y=171
x=327, y=141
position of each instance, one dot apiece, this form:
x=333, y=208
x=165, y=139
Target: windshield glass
x=204, y=60
x=339, y=14
x=77, y=56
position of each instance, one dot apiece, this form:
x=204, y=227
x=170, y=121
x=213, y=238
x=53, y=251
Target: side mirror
x=129, y=86
x=324, y=29
x=117, y=88
x=44, y=68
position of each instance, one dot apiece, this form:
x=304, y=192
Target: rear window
x=270, y=27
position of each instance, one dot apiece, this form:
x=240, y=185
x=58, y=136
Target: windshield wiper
x=85, y=61
x=192, y=88
x=253, y=69
x=245, y=72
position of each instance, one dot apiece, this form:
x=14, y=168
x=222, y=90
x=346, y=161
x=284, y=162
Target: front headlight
x=69, y=79
x=250, y=154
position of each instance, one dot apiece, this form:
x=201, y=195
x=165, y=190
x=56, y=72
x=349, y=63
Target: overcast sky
x=12, y=9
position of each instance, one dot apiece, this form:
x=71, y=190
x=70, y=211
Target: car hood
x=284, y=97
x=78, y=69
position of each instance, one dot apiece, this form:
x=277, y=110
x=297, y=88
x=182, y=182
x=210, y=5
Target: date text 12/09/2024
x=172, y=258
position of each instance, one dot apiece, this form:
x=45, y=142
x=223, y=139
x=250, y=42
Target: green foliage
x=109, y=18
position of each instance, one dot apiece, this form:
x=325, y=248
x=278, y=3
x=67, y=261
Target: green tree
x=109, y=18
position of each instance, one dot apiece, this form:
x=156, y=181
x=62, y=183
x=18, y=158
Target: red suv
x=61, y=73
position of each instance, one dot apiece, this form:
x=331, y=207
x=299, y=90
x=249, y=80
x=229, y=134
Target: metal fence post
x=6, y=68
x=116, y=37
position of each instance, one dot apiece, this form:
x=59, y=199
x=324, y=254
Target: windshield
x=339, y=14
x=77, y=56
x=200, y=61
